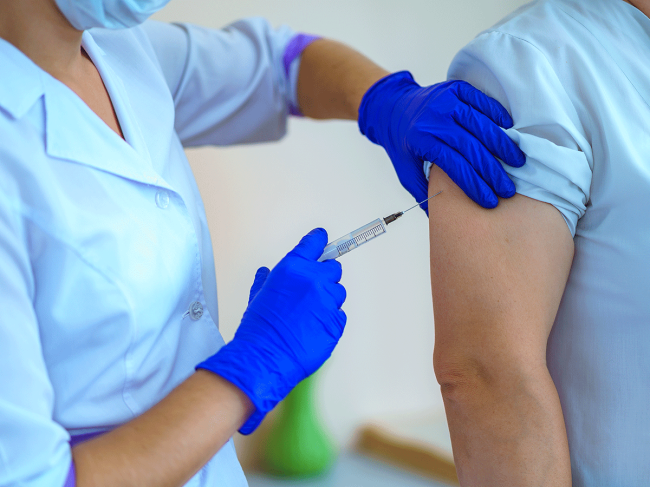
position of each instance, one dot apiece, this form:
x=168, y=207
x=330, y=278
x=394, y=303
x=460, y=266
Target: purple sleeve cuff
x=76, y=439
x=293, y=50
x=71, y=481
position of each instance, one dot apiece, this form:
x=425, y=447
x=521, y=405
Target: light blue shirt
x=107, y=283
x=575, y=75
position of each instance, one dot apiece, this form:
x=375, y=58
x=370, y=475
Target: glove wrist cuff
x=265, y=387
x=368, y=114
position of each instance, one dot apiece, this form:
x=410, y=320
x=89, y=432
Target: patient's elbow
x=467, y=376
x=459, y=377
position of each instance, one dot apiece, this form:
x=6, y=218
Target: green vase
x=297, y=445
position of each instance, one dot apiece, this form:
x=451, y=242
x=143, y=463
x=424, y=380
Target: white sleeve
x=229, y=85
x=547, y=128
x=34, y=449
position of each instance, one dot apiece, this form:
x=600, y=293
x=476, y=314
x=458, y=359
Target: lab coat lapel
x=75, y=133
x=20, y=83
x=119, y=97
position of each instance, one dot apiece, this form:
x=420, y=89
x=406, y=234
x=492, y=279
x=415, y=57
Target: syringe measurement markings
x=368, y=234
x=348, y=245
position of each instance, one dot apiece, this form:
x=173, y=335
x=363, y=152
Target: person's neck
x=42, y=33
x=643, y=5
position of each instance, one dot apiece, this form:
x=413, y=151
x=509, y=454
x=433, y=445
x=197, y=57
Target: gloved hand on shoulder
x=452, y=125
x=290, y=328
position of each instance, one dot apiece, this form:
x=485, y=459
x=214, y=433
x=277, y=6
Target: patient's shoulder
x=572, y=35
x=537, y=63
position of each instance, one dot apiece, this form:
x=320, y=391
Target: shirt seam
x=548, y=62
x=76, y=252
x=182, y=79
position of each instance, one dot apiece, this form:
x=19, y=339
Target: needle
x=395, y=216
x=360, y=236
x=423, y=201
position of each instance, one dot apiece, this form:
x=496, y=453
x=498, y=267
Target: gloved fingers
x=341, y=320
x=311, y=246
x=479, y=180
x=332, y=270
x=425, y=207
x=482, y=160
x=492, y=137
x=463, y=174
x=338, y=292
x=484, y=104
x=260, y=278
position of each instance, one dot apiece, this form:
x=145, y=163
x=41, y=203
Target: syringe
x=352, y=240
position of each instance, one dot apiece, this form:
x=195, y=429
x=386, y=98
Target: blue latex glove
x=452, y=124
x=291, y=326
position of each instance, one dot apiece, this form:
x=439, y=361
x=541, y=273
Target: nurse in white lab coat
x=107, y=285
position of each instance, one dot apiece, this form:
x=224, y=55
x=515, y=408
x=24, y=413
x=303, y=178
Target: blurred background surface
x=261, y=199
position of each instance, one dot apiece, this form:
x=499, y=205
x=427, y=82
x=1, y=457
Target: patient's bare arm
x=497, y=280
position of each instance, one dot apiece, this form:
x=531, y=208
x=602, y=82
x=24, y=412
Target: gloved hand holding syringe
x=352, y=240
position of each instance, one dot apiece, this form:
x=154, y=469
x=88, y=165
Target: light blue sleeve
x=547, y=128
x=229, y=85
x=34, y=449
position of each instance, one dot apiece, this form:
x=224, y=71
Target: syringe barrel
x=352, y=240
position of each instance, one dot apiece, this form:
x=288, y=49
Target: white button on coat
x=196, y=310
x=162, y=199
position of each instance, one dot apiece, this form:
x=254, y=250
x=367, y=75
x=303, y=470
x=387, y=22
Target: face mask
x=110, y=14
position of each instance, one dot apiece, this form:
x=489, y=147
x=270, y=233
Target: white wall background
x=261, y=199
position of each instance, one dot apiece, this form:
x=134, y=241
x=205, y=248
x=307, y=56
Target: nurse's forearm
x=333, y=79
x=168, y=444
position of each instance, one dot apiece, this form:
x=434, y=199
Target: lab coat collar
x=75, y=133
x=20, y=84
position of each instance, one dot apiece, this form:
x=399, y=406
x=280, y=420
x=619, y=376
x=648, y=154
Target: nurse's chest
x=121, y=256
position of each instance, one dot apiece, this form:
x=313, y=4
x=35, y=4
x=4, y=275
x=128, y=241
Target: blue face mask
x=110, y=14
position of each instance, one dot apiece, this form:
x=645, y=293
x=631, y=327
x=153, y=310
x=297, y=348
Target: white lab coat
x=107, y=283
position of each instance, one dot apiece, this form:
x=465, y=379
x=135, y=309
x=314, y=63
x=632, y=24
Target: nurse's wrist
x=227, y=388
x=264, y=382
x=190, y=425
x=255, y=410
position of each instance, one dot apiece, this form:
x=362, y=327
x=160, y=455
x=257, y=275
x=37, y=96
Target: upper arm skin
x=497, y=280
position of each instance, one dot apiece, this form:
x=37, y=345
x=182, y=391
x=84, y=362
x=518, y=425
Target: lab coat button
x=196, y=310
x=162, y=199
